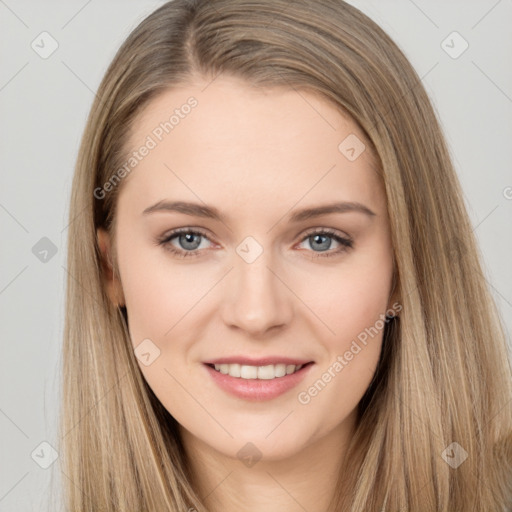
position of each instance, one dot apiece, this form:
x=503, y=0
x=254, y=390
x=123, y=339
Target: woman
x=275, y=297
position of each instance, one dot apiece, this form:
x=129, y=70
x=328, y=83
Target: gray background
x=43, y=108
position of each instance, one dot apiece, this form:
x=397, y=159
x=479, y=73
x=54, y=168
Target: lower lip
x=258, y=389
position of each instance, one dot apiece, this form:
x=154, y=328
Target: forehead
x=248, y=147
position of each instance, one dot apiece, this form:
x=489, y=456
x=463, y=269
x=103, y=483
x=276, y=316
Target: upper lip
x=263, y=361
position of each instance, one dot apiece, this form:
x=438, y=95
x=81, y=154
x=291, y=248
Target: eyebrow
x=210, y=212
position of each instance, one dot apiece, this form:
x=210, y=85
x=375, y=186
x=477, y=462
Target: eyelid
x=330, y=231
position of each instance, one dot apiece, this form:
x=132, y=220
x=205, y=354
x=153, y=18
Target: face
x=243, y=274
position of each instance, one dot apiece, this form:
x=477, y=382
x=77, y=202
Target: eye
x=321, y=239
x=189, y=240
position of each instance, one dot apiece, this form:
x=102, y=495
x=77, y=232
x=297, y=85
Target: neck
x=304, y=481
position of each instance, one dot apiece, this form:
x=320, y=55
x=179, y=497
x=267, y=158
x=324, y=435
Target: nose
x=257, y=298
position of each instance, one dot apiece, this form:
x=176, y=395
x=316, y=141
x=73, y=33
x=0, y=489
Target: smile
x=257, y=382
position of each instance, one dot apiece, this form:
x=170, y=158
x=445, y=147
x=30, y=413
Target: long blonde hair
x=444, y=373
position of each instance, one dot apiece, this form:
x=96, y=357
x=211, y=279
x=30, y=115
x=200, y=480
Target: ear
x=110, y=275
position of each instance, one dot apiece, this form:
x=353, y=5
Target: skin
x=257, y=156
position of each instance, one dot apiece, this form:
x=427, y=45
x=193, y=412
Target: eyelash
x=346, y=243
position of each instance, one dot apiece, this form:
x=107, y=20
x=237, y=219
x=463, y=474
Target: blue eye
x=320, y=239
x=190, y=242
x=189, y=239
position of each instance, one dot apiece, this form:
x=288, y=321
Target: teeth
x=268, y=372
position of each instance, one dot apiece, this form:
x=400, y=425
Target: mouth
x=258, y=382
x=253, y=372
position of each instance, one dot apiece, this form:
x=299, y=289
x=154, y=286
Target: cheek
x=352, y=308
x=162, y=303
x=352, y=350
x=157, y=293
x=349, y=299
